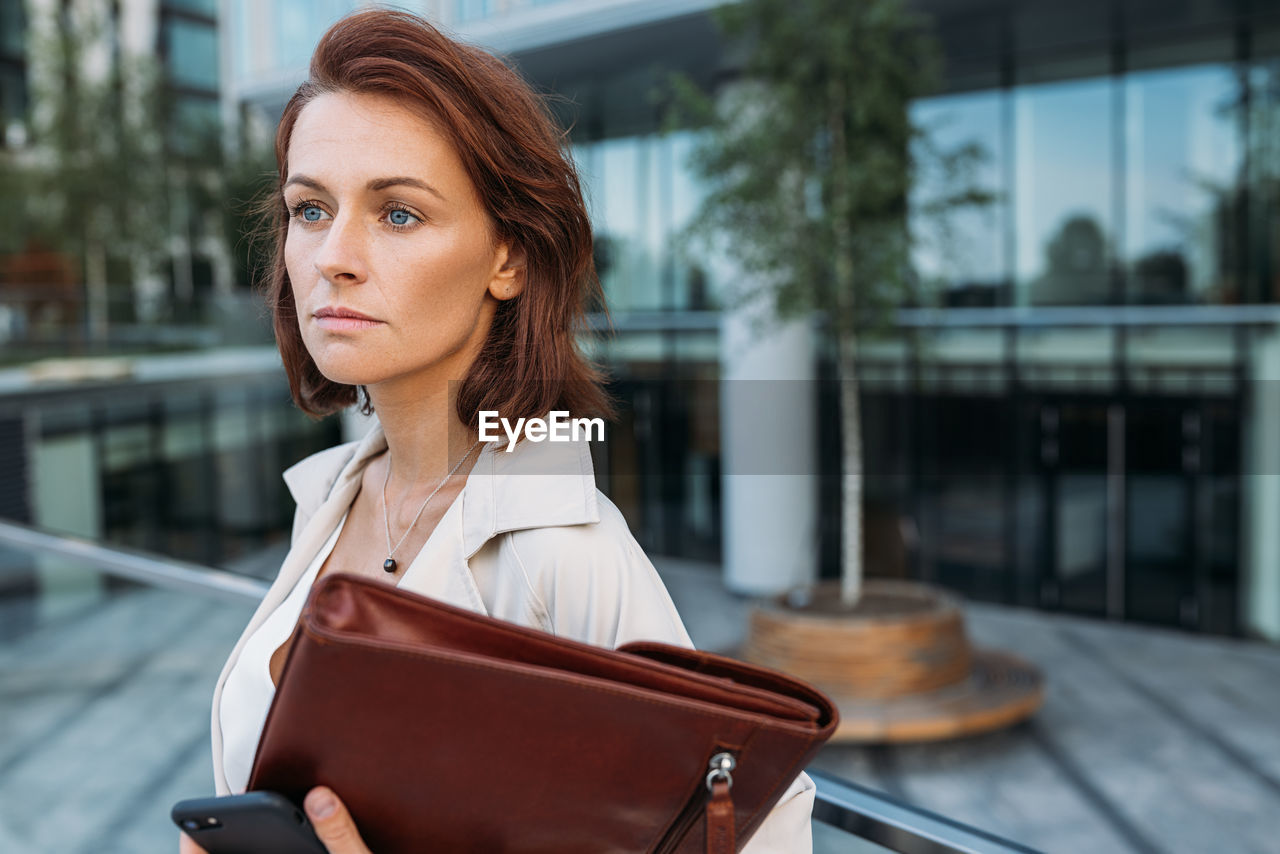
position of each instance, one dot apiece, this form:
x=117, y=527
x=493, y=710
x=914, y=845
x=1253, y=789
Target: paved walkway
x=105, y=723
x=1148, y=741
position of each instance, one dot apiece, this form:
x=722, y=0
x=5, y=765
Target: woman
x=433, y=252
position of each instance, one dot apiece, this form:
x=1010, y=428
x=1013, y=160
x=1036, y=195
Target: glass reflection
x=693, y=287
x=299, y=25
x=473, y=10
x=640, y=193
x=961, y=259
x=1183, y=160
x=1063, y=192
x=12, y=30
x=629, y=275
x=193, y=53
x=13, y=97
x=1263, y=234
x=203, y=7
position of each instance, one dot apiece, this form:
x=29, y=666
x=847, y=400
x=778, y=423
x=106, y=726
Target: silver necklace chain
x=390, y=564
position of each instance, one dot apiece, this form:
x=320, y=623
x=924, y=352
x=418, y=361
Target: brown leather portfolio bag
x=448, y=731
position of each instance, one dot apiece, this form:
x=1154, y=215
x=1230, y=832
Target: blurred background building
x=140, y=392
x=1075, y=413
x=1078, y=410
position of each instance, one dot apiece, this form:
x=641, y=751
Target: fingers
x=332, y=822
x=187, y=845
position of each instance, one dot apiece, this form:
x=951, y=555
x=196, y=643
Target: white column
x=65, y=493
x=768, y=451
x=1260, y=505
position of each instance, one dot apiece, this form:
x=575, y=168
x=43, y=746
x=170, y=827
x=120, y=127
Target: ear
x=509, y=278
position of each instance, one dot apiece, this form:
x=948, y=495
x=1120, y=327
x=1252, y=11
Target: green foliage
x=13, y=191
x=231, y=193
x=810, y=157
x=96, y=175
x=247, y=196
x=113, y=163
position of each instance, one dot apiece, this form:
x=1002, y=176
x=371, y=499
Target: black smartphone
x=252, y=823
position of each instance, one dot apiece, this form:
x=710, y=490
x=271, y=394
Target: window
x=13, y=29
x=1183, y=157
x=474, y=10
x=192, y=53
x=299, y=24
x=1063, y=193
x=200, y=7
x=1263, y=261
x=13, y=67
x=13, y=96
x=961, y=257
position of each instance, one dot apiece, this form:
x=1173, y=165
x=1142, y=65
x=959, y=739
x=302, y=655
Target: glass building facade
x=1070, y=415
x=184, y=466
x=1135, y=162
x=188, y=44
x=1035, y=447
x=1107, y=469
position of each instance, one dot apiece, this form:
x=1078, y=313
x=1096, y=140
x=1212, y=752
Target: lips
x=330, y=311
x=336, y=319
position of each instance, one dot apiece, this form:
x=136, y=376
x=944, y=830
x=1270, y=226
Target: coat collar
x=535, y=485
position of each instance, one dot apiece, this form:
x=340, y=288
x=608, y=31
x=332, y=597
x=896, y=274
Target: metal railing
x=139, y=566
x=896, y=825
x=858, y=811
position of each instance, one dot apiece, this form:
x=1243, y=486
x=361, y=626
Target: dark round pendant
x=389, y=565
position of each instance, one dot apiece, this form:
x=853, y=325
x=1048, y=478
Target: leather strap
x=720, y=819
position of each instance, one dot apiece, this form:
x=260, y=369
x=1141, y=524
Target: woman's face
x=385, y=223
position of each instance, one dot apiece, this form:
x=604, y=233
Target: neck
x=425, y=438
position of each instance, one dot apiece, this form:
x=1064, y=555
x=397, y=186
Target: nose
x=341, y=255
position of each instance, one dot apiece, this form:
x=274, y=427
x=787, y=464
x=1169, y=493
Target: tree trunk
x=851, y=441
x=845, y=324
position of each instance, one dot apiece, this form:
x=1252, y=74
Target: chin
x=368, y=366
x=353, y=377
x=346, y=372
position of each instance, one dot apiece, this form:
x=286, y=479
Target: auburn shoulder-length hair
x=517, y=157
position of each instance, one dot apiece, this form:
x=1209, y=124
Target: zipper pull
x=720, y=804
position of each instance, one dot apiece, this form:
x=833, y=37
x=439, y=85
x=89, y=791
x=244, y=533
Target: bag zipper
x=718, y=768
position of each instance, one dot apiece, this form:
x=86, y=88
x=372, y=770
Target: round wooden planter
x=899, y=664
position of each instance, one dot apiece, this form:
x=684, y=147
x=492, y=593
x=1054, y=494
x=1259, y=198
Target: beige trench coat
x=534, y=543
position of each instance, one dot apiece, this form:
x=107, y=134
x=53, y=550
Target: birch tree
x=808, y=163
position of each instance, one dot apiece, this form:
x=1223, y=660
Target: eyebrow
x=373, y=186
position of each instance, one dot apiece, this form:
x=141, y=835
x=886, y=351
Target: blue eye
x=399, y=219
x=303, y=210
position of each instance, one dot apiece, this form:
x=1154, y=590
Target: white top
x=249, y=690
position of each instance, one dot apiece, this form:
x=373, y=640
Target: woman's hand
x=328, y=816
x=333, y=823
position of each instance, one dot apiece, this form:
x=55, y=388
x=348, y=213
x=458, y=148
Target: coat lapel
x=535, y=485
x=440, y=568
